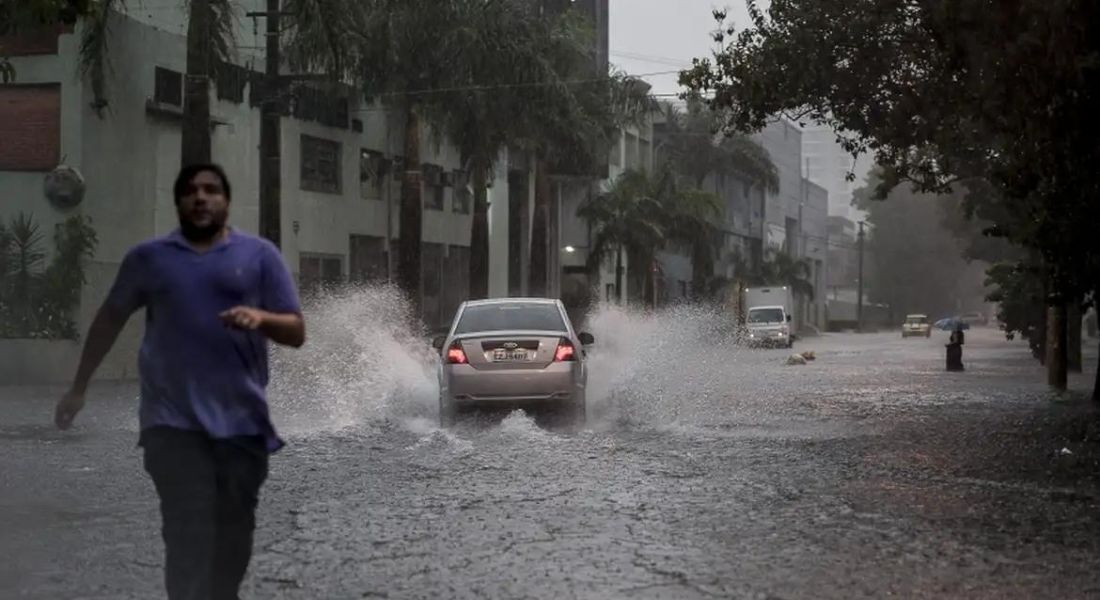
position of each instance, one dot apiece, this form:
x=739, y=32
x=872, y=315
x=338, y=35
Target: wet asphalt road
x=706, y=471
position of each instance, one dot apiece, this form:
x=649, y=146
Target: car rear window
x=517, y=316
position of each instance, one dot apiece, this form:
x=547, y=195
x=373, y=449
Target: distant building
x=843, y=253
x=796, y=216
x=828, y=165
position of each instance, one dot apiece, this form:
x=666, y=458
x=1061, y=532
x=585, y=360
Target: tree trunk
x=479, y=233
x=540, y=238
x=271, y=136
x=619, y=276
x=411, y=214
x=1056, y=346
x=699, y=266
x=195, y=145
x=1096, y=384
x=1073, y=337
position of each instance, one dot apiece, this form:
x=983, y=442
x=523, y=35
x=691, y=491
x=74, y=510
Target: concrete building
x=632, y=151
x=813, y=220
x=340, y=175
x=828, y=165
x=843, y=254
x=796, y=216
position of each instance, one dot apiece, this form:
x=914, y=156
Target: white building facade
x=340, y=169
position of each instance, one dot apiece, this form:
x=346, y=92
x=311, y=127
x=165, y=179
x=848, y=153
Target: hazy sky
x=650, y=36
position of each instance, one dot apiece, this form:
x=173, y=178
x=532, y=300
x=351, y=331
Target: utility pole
x=271, y=109
x=859, y=305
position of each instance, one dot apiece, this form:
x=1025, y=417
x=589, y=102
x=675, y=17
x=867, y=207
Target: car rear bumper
x=558, y=382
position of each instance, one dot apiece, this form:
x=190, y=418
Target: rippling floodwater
x=706, y=470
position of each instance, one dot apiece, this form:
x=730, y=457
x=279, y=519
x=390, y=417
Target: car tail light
x=456, y=355
x=565, y=352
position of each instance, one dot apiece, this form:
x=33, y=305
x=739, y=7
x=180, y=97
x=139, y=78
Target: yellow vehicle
x=916, y=325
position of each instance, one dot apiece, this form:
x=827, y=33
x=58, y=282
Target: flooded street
x=706, y=471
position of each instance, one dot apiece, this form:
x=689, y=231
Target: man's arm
x=287, y=329
x=102, y=334
x=280, y=308
x=125, y=297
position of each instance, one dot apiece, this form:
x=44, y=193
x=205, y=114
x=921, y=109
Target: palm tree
x=409, y=54
x=574, y=137
x=782, y=268
x=626, y=219
x=697, y=150
x=508, y=60
x=693, y=217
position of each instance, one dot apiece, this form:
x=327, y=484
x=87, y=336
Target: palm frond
x=745, y=155
x=321, y=39
x=94, y=60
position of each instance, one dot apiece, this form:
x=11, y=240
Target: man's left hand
x=244, y=317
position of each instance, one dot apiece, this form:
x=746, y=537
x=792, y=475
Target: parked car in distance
x=974, y=318
x=916, y=325
x=512, y=352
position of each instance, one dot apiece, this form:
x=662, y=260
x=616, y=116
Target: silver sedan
x=512, y=352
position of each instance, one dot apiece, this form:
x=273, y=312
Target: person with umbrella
x=954, y=347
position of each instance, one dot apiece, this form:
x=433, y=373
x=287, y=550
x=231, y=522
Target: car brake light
x=565, y=352
x=456, y=355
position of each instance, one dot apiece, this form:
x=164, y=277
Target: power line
x=498, y=86
x=653, y=59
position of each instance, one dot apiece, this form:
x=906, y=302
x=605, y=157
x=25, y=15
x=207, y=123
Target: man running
x=213, y=296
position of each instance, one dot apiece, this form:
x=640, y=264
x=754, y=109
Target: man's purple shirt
x=197, y=374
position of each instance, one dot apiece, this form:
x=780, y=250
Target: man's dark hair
x=183, y=180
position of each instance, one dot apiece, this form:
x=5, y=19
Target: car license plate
x=502, y=355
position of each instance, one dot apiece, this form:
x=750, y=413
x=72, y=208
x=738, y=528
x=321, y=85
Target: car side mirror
x=788, y=318
x=586, y=339
x=437, y=342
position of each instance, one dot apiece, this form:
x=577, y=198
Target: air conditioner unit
x=433, y=174
x=372, y=166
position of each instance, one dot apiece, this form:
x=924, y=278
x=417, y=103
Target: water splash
x=364, y=362
x=679, y=366
x=366, y=365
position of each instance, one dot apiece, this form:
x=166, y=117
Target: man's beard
x=201, y=233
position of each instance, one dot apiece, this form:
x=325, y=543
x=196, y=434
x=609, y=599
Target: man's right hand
x=67, y=408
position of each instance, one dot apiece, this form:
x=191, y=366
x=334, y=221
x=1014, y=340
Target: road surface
x=706, y=471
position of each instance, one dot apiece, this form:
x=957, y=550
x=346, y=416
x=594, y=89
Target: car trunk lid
x=512, y=351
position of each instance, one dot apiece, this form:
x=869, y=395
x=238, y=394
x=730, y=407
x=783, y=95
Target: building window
x=631, y=151
x=644, y=154
x=368, y=260
x=30, y=127
x=168, y=87
x=231, y=80
x=433, y=197
x=317, y=272
x=320, y=165
x=617, y=152
x=433, y=187
x=462, y=200
x=372, y=174
x=39, y=41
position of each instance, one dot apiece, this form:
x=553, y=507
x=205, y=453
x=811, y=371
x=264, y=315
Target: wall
x=815, y=224
x=783, y=141
x=829, y=165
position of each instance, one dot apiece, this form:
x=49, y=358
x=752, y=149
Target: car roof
x=492, y=301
